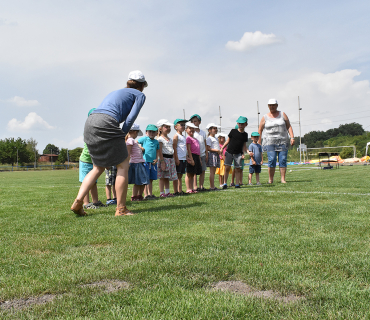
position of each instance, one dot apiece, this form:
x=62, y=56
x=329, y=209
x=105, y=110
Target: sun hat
x=190, y=125
x=151, y=127
x=179, y=120
x=210, y=125
x=164, y=122
x=136, y=127
x=91, y=110
x=138, y=76
x=195, y=115
x=221, y=135
x=255, y=134
x=272, y=101
x=242, y=119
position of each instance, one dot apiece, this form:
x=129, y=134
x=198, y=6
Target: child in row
x=256, y=160
x=151, y=155
x=213, y=149
x=200, y=135
x=137, y=174
x=240, y=182
x=236, y=146
x=167, y=167
x=221, y=171
x=194, y=162
x=179, y=147
x=110, y=180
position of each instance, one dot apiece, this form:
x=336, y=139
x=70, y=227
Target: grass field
x=308, y=238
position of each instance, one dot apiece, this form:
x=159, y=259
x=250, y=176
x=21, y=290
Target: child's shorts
x=170, y=172
x=151, y=170
x=236, y=158
x=110, y=176
x=196, y=168
x=137, y=174
x=254, y=168
x=213, y=160
x=181, y=168
x=84, y=169
x=204, y=163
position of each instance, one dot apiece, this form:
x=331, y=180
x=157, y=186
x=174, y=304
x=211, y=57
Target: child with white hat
x=213, y=149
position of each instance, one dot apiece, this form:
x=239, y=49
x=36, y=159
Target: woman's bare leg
x=271, y=174
x=122, y=182
x=94, y=193
x=282, y=174
x=89, y=181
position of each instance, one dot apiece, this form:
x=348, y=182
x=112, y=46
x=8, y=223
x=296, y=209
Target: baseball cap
x=210, y=125
x=242, y=119
x=151, y=127
x=190, y=125
x=221, y=135
x=195, y=115
x=138, y=76
x=255, y=134
x=179, y=120
x=163, y=122
x=272, y=101
x=136, y=127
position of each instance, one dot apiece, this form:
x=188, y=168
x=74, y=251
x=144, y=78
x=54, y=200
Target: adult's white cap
x=138, y=76
x=210, y=125
x=164, y=122
x=136, y=127
x=190, y=125
x=272, y=101
x=221, y=135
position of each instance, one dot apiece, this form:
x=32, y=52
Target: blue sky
x=60, y=59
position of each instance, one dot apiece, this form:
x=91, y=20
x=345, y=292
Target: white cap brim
x=190, y=125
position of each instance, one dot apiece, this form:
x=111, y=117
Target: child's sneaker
x=250, y=184
x=224, y=186
x=169, y=195
x=258, y=184
x=135, y=198
x=163, y=195
x=111, y=201
x=237, y=186
x=153, y=197
x=100, y=204
x=232, y=184
x=90, y=206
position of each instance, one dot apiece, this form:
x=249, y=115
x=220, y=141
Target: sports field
x=294, y=251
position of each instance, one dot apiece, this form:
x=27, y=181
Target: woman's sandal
x=123, y=211
x=77, y=208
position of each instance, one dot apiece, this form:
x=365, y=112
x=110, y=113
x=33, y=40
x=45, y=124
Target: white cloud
x=251, y=40
x=22, y=102
x=31, y=122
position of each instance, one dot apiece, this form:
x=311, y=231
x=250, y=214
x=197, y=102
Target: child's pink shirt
x=223, y=151
x=136, y=153
x=194, y=145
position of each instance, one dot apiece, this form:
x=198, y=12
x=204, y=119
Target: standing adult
x=275, y=139
x=106, y=140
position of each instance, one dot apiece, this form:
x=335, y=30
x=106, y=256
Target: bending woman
x=275, y=139
x=106, y=140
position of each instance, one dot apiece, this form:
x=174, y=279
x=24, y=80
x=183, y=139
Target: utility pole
x=68, y=157
x=17, y=158
x=219, y=110
x=35, y=159
x=300, y=135
x=184, y=113
x=258, y=115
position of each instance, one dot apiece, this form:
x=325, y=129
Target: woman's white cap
x=136, y=127
x=272, y=101
x=138, y=76
x=190, y=125
x=210, y=125
x=221, y=135
x=164, y=122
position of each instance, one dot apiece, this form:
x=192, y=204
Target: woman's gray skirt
x=105, y=140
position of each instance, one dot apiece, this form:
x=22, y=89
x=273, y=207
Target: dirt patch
x=18, y=304
x=240, y=287
x=108, y=285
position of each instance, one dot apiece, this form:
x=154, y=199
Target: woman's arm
x=260, y=129
x=289, y=128
x=135, y=110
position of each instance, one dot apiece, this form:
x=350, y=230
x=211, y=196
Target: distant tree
x=74, y=155
x=31, y=147
x=9, y=147
x=51, y=149
x=63, y=155
x=351, y=129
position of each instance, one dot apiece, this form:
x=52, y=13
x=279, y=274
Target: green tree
x=11, y=149
x=32, y=149
x=74, y=155
x=51, y=149
x=63, y=155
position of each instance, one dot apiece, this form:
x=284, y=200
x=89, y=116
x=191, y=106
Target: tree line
x=25, y=151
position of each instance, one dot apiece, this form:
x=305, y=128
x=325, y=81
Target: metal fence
x=37, y=168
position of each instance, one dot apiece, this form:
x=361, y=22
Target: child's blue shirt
x=151, y=146
x=257, y=151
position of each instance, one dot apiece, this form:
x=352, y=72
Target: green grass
x=309, y=237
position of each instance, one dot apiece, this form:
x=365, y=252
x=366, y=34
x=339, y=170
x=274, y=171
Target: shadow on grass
x=172, y=207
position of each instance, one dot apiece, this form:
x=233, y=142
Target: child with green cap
x=179, y=147
x=151, y=155
x=236, y=146
x=256, y=160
